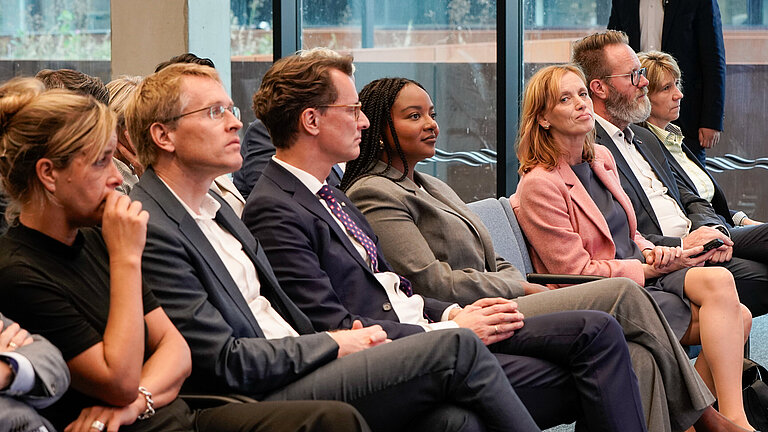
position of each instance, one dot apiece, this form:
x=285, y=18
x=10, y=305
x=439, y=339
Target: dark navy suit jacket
x=719, y=202
x=697, y=209
x=257, y=150
x=314, y=260
x=229, y=351
x=692, y=33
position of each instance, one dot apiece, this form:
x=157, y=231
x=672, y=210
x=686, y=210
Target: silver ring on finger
x=99, y=426
x=496, y=329
x=12, y=345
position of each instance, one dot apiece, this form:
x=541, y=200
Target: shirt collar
x=208, y=207
x=671, y=135
x=615, y=133
x=659, y=132
x=314, y=185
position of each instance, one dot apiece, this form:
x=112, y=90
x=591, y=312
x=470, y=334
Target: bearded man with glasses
x=668, y=212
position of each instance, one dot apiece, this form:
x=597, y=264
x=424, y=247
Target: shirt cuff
x=440, y=325
x=738, y=218
x=444, y=323
x=25, y=374
x=722, y=229
x=447, y=312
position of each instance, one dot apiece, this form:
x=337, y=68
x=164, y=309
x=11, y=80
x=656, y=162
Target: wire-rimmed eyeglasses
x=215, y=112
x=357, y=106
x=634, y=76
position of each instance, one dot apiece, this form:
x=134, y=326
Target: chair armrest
x=202, y=401
x=545, y=279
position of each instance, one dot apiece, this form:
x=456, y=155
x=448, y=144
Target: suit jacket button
x=387, y=307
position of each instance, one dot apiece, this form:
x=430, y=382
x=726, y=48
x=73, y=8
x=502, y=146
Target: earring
x=546, y=127
x=381, y=144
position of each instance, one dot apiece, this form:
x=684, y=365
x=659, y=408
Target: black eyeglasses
x=634, y=76
x=215, y=112
x=357, y=106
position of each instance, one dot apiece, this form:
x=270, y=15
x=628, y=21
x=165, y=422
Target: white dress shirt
x=409, y=310
x=671, y=217
x=651, y=24
x=240, y=267
x=223, y=186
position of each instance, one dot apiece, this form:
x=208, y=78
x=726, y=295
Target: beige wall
x=145, y=33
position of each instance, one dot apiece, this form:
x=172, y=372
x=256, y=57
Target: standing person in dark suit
x=244, y=333
x=668, y=212
x=691, y=31
x=327, y=258
x=32, y=375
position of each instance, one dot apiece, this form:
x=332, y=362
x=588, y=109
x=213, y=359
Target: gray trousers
x=18, y=416
x=447, y=376
x=673, y=394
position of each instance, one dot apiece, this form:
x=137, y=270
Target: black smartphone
x=712, y=244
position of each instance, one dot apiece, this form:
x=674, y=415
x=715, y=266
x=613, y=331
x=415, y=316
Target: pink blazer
x=566, y=231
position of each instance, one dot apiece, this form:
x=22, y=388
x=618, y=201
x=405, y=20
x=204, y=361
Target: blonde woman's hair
x=120, y=91
x=658, y=63
x=535, y=145
x=54, y=124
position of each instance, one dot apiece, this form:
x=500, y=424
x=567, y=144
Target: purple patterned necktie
x=370, y=248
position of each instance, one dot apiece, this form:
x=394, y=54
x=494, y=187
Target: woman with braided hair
x=403, y=132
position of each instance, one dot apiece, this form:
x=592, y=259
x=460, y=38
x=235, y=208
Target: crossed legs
x=674, y=396
x=721, y=325
x=394, y=384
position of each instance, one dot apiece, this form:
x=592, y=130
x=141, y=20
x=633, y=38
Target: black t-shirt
x=62, y=293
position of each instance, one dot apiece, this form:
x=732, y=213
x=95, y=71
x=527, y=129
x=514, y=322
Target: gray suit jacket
x=431, y=237
x=229, y=351
x=51, y=381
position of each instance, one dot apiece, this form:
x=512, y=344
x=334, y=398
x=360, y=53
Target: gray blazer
x=51, y=381
x=432, y=238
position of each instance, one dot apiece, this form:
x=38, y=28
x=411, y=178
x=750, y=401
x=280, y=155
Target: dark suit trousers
x=289, y=416
x=574, y=361
x=447, y=375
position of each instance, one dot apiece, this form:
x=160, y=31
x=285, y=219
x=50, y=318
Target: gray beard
x=622, y=108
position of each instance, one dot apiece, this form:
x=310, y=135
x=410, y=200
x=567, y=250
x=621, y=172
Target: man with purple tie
x=325, y=257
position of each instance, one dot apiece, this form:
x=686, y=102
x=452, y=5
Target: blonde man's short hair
x=156, y=100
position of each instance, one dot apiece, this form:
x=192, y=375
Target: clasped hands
x=663, y=259
x=492, y=319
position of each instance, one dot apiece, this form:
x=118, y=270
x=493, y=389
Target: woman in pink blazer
x=578, y=220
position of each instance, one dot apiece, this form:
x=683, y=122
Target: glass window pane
x=449, y=46
x=251, y=50
x=54, y=34
x=551, y=25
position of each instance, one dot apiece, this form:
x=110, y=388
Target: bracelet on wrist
x=150, y=411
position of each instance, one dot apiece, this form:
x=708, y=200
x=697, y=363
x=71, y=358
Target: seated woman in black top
x=81, y=287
